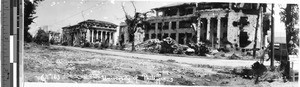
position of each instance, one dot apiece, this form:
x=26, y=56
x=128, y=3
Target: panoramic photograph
x=174, y=43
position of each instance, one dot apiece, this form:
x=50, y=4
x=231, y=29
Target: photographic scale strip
x=12, y=43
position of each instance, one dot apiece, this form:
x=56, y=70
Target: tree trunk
x=272, y=39
x=255, y=38
x=132, y=45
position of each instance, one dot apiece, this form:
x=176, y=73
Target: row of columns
x=209, y=33
x=93, y=35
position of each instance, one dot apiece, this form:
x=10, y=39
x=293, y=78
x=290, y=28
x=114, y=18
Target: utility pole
x=257, y=24
x=272, y=39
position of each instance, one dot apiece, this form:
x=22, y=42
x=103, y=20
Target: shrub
x=86, y=44
x=104, y=44
x=52, y=41
x=152, y=45
x=200, y=48
x=41, y=37
x=64, y=43
x=97, y=45
x=180, y=49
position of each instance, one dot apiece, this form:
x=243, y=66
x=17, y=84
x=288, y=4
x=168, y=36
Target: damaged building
x=89, y=31
x=217, y=24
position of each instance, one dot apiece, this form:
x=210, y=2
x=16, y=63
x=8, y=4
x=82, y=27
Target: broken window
x=188, y=37
x=203, y=29
x=159, y=26
x=153, y=36
x=244, y=39
x=173, y=36
x=173, y=25
x=146, y=37
x=171, y=12
x=186, y=11
x=185, y=24
x=166, y=35
x=166, y=25
x=159, y=36
x=181, y=38
x=202, y=6
x=152, y=26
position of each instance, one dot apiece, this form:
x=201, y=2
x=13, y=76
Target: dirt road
x=213, y=62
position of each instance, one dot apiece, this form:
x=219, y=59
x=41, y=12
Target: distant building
x=91, y=31
x=55, y=36
x=215, y=23
x=125, y=37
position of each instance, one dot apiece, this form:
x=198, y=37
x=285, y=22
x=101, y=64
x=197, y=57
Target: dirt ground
x=54, y=64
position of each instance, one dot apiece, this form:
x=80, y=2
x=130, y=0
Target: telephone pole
x=272, y=39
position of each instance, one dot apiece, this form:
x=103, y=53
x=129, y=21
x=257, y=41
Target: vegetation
x=138, y=20
x=29, y=11
x=41, y=37
x=290, y=16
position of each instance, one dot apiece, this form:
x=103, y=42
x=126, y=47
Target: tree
x=290, y=16
x=41, y=37
x=138, y=20
x=29, y=11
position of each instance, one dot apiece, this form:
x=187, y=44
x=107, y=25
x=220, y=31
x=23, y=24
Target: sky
x=60, y=13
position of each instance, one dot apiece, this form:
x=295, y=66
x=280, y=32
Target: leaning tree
x=138, y=20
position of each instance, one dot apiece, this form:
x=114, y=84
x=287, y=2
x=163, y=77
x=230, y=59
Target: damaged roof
x=92, y=24
x=177, y=4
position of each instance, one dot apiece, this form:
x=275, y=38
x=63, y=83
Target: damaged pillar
x=219, y=32
x=92, y=36
x=208, y=29
x=107, y=33
x=88, y=35
x=112, y=37
x=199, y=30
x=100, y=40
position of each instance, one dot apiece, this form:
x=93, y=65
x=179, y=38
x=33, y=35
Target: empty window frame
x=173, y=36
x=159, y=36
x=185, y=24
x=152, y=26
x=153, y=36
x=166, y=25
x=159, y=26
x=165, y=35
x=173, y=25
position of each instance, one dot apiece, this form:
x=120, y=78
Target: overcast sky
x=59, y=13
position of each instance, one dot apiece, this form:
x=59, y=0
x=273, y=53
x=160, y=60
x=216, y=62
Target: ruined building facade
x=89, y=31
x=215, y=23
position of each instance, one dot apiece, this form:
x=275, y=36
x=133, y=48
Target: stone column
x=219, y=32
x=112, y=37
x=199, y=30
x=208, y=29
x=92, y=36
x=88, y=35
x=107, y=34
x=97, y=34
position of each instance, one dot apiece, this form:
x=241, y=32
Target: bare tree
x=138, y=20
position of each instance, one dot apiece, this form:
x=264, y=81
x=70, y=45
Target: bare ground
x=56, y=64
